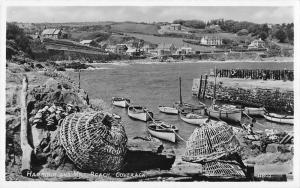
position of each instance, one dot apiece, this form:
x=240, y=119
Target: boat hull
x=142, y=116
x=279, y=119
x=235, y=115
x=254, y=111
x=122, y=104
x=169, y=136
x=168, y=110
x=194, y=121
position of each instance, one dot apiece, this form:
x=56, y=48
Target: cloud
x=149, y=14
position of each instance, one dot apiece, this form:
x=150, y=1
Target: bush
x=13, y=32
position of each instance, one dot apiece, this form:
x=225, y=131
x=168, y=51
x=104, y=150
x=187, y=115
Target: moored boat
x=225, y=113
x=279, y=118
x=161, y=133
x=120, y=101
x=139, y=113
x=194, y=119
x=186, y=107
x=167, y=110
x=251, y=111
x=163, y=124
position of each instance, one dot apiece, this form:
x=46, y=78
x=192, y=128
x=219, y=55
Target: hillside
x=128, y=27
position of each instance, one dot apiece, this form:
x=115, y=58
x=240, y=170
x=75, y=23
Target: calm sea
x=151, y=85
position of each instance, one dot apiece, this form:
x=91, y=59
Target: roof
x=50, y=31
x=175, y=25
x=86, y=41
x=131, y=50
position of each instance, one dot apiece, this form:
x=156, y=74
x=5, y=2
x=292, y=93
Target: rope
x=164, y=128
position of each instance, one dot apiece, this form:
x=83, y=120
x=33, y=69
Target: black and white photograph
x=150, y=93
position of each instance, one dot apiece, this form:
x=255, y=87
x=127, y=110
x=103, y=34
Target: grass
x=127, y=27
x=178, y=42
x=85, y=35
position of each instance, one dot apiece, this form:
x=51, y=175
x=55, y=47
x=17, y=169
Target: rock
x=257, y=144
x=145, y=155
x=272, y=148
x=284, y=148
x=187, y=168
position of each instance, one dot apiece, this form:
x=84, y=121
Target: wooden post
x=250, y=172
x=79, y=78
x=200, y=86
x=26, y=148
x=180, y=96
x=205, y=84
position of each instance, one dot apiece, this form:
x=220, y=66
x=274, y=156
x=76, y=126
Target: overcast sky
x=148, y=14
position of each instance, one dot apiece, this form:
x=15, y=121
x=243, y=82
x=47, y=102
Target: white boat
x=194, y=119
x=225, y=113
x=120, y=101
x=279, y=118
x=161, y=133
x=254, y=111
x=167, y=110
x=139, y=113
x=163, y=124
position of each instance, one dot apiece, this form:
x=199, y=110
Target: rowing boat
x=120, y=101
x=139, y=113
x=167, y=110
x=163, y=124
x=226, y=113
x=254, y=111
x=194, y=119
x=279, y=118
x=161, y=133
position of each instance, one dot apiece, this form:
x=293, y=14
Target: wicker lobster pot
x=94, y=141
x=223, y=169
x=211, y=141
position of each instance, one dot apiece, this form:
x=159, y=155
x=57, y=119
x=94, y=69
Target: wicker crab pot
x=94, y=141
x=211, y=141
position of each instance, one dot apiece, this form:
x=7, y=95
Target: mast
x=215, y=83
x=180, y=96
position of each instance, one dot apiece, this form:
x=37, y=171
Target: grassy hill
x=178, y=42
x=85, y=35
x=128, y=27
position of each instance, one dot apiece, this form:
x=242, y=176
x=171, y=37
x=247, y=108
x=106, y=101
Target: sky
x=148, y=14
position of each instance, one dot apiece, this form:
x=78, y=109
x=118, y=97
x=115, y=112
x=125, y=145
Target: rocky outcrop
x=146, y=154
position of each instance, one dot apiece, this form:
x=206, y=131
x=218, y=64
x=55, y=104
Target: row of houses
x=168, y=49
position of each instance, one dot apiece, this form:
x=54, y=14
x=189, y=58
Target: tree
x=13, y=32
x=280, y=35
x=263, y=35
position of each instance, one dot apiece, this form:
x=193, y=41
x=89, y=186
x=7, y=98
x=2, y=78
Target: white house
x=257, y=44
x=86, y=42
x=211, y=41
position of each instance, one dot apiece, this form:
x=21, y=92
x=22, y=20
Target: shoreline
x=151, y=61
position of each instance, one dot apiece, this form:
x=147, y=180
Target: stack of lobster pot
x=49, y=117
x=213, y=145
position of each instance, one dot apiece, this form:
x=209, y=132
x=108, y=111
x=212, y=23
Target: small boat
x=186, y=107
x=194, y=119
x=164, y=124
x=167, y=110
x=226, y=113
x=254, y=111
x=279, y=118
x=139, y=113
x=120, y=101
x=161, y=133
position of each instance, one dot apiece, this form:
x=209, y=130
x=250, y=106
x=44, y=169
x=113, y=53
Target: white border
x=4, y=4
